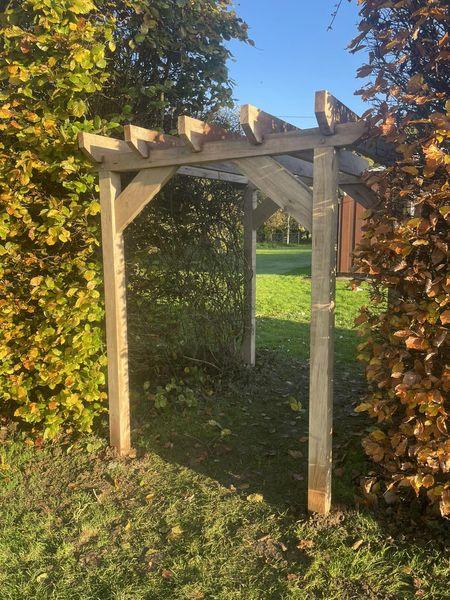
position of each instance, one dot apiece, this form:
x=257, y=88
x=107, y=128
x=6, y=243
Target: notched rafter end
x=331, y=112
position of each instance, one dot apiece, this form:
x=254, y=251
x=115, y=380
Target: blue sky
x=294, y=55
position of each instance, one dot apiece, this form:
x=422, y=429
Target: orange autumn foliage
x=405, y=252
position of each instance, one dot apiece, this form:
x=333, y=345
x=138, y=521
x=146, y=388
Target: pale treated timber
x=211, y=173
x=248, y=341
x=323, y=274
x=139, y=192
x=330, y=112
x=142, y=140
x=195, y=133
x=265, y=209
x=257, y=124
x=280, y=185
x=351, y=184
x=98, y=147
x=275, y=143
x=115, y=315
x=361, y=194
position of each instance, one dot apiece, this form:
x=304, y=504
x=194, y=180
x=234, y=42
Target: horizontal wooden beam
x=209, y=172
x=279, y=185
x=226, y=150
x=350, y=184
x=257, y=124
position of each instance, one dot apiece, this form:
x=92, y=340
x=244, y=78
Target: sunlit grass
x=213, y=507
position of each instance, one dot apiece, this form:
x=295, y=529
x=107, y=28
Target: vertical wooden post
x=116, y=315
x=248, y=342
x=323, y=275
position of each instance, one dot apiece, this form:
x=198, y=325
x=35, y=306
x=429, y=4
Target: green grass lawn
x=213, y=505
x=283, y=304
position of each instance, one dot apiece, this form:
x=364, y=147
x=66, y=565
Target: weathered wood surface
x=195, y=133
x=248, y=342
x=115, y=315
x=139, y=192
x=280, y=185
x=98, y=147
x=323, y=273
x=141, y=140
x=257, y=124
x=226, y=150
x=330, y=112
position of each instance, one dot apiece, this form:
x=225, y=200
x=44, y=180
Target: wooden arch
x=281, y=161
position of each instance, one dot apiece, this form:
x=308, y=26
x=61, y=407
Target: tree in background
x=62, y=62
x=170, y=59
x=282, y=228
x=405, y=251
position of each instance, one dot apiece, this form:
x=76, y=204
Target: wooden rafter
x=141, y=140
x=330, y=112
x=195, y=133
x=257, y=124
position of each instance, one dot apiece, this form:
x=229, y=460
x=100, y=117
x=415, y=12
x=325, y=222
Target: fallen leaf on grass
x=292, y=577
x=167, y=574
x=357, y=544
x=149, y=497
x=175, y=532
x=255, y=498
x=305, y=544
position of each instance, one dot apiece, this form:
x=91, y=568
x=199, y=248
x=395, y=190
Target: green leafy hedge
x=51, y=365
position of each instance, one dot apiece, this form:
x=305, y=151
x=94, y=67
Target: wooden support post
x=116, y=315
x=248, y=342
x=323, y=274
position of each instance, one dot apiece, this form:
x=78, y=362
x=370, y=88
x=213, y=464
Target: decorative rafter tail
x=256, y=124
x=98, y=147
x=141, y=140
x=195, y=133
x=330, y=112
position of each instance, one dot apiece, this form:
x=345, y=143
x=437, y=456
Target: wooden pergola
x=283, y=162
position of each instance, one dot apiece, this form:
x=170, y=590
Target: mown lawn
x=283, y=304
x=213, y=505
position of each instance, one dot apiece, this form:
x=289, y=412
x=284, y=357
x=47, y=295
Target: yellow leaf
x=255, y=498
x=175, y=532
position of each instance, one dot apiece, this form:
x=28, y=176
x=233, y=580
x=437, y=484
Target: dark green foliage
x=185, y=261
